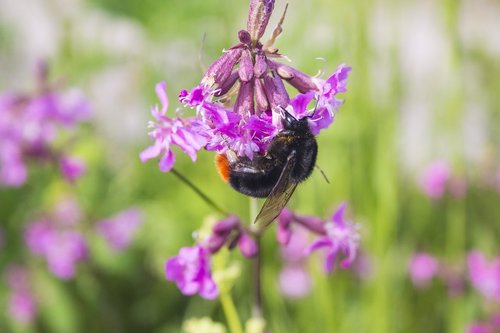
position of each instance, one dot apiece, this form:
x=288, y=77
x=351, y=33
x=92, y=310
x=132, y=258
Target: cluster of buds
x=250, y=71
x=29, y=128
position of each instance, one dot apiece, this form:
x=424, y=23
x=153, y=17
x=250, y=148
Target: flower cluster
x=191, y=269
x=337, y=236
x=29, y=127
x=424, y=267
x=62, y=246
x=58, y=236
x=22, y=304
x=483, y=275
x=249, y=70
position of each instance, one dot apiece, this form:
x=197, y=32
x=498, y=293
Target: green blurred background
x=424, y=86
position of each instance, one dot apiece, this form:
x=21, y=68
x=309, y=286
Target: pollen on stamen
x=222, y=165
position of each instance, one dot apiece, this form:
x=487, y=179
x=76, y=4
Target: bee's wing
x=279, y=196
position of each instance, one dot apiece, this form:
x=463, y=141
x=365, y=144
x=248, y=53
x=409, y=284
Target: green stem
x=233, y=320
x=257, y=311
x=200, y=193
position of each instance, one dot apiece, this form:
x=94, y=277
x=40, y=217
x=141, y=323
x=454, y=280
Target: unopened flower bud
x=260, y=67
x=221, y=69
x=260, y=98
x=244, y=105
x=226, y=225
x=300, y=81
x=258, y=17
x=276, y=92
x=228, y=84
x=247, y=245
x=244, y=37
x=246, y=66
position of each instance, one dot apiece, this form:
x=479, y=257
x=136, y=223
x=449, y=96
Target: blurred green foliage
x=359, y=153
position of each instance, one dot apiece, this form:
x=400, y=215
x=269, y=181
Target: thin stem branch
x=257, y=311
x=200, y=193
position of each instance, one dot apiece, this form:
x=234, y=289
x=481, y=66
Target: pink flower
x=22, y=305
x=120, y=229
x=341, y=237
x=422, y=268
x=62, y=249
x=485, y=276
x=250, y=71
x=294, y=279
x=190, y=269
x=72, y=168
x=188, y=134
x=434, y=179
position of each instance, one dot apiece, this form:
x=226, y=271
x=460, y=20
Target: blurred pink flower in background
x=21, y=302
x=62, y=248
x=485, y=276
x=29, y=127
x=434, y=179
x=422, y=268
x=120, y=229
x=71, y=167
x=294, y=279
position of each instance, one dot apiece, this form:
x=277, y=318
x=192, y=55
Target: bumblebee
x=289, y=160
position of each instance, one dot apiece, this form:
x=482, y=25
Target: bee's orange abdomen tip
x=222, y=165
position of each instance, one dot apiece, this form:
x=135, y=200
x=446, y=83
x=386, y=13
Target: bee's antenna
x=202, y=195
x=324, y=175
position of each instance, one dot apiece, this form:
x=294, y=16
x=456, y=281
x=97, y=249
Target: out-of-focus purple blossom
x=434, y=179
x=66, y=249
x=189, y=134
x=29, y=126
x=120, y=229
x=61, y=248
x=283, y=231
x=341, y=237
x=67, y=212
x=295, y=281
x=363, y=266
x=247, y=245
x=422, y=268
x=72, y=168
x=191, y=271
x=21, y=303
x=484, y=275
x=12, y=168
x=479, y=328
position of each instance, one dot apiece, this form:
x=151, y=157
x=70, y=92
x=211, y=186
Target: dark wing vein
x=279, y=196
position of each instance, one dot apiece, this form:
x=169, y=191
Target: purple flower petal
x=190, y=269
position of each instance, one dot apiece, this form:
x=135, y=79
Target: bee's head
x=291, y=123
